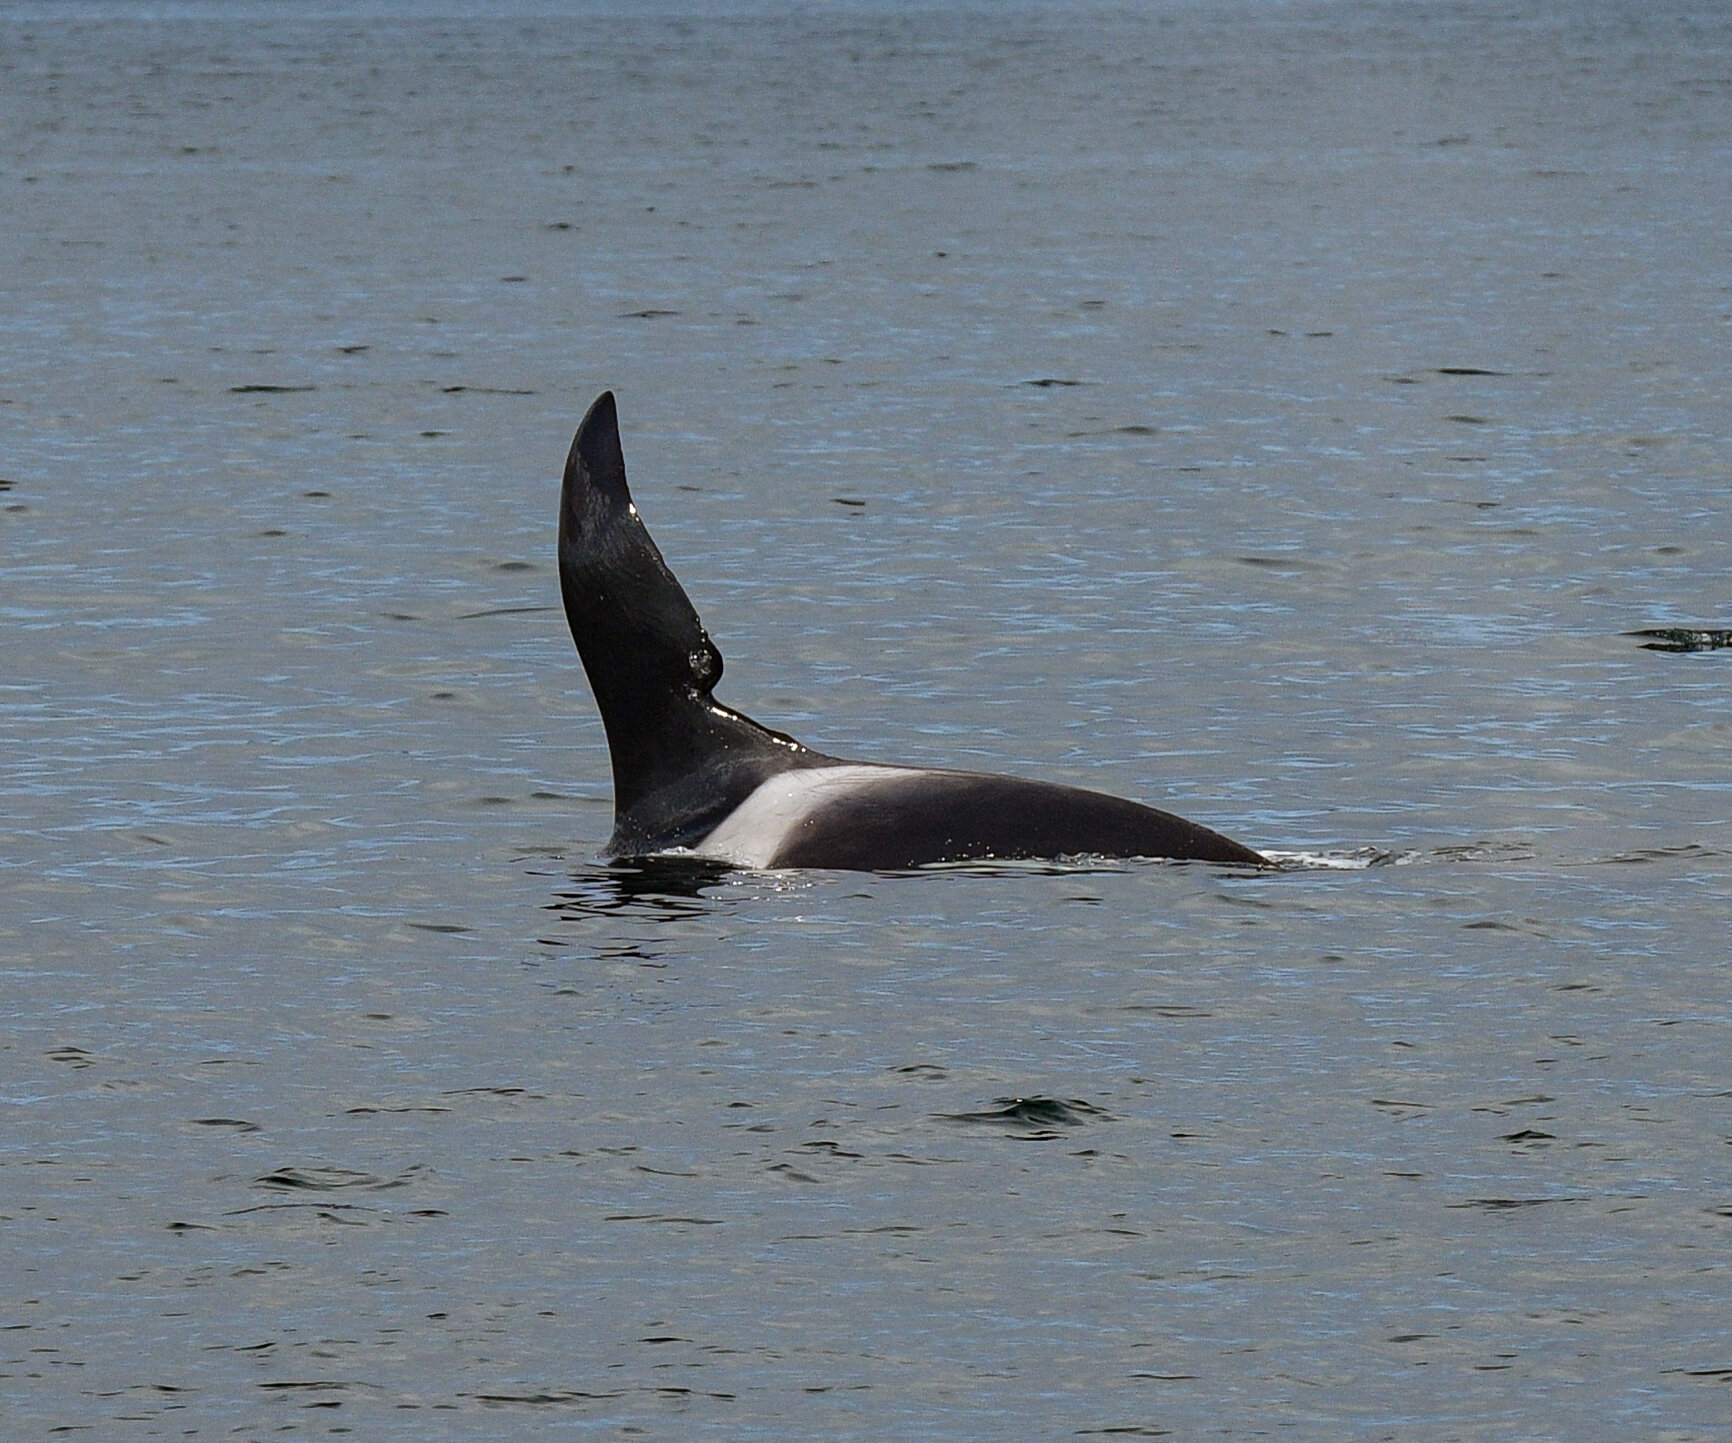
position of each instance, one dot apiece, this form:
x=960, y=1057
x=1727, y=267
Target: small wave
x=1043, y=1113
x=1355, y=859
x=1684, y=638
x=1641, y=855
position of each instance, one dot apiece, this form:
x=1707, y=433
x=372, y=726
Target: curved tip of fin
x=596, y=456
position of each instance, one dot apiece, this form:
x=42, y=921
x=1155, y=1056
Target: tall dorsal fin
x=677, y=753
x=633, y=623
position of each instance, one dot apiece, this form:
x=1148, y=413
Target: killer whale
x=691, y=775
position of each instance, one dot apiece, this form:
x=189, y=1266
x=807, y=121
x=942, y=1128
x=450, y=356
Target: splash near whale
x=691, y=775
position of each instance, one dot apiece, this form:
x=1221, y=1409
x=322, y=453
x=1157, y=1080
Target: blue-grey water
x=1275, y=412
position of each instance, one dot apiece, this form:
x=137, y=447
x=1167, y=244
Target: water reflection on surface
x=662, y=887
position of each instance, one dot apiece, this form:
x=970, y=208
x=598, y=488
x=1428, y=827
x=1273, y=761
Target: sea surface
x=1279, y=413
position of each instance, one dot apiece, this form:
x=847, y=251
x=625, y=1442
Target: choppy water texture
x=1281, y=413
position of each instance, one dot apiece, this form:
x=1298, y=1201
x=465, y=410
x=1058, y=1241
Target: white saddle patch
x=752, y=834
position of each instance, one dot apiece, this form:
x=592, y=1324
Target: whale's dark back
x=915, y=818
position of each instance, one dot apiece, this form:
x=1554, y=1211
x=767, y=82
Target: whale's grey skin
x=692, y=775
